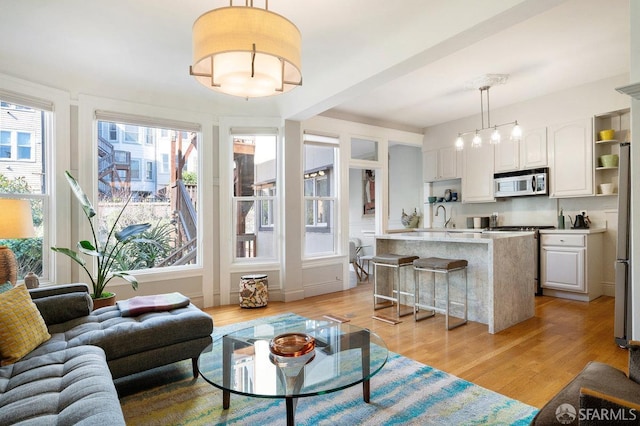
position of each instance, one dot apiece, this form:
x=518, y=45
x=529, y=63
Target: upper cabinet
x=571, y=159
x=440, y=164
x=607, y=148
x=534, y=148
x=529, y=153
x=477, y=175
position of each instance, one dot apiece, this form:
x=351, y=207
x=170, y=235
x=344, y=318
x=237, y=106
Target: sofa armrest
x=598, y=408
x=634, y=360
x=61, y=303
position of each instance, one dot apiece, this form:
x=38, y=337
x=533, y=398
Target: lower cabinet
x=571, y=265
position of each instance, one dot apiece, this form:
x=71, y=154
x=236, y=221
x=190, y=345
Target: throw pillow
x=6, y=287
x=22, y=328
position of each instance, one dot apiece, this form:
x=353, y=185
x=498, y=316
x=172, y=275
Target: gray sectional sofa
x=68, y=380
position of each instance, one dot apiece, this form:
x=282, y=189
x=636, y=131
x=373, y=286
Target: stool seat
x=393, y=259
x=440, y=266
x=439, y=263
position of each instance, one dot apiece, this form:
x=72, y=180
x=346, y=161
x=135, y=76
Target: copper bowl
x=292, y=344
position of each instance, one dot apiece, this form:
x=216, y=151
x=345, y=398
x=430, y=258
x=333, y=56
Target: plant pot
x=104, y=301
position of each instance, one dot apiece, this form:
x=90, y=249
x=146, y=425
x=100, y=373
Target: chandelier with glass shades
x=246, y=51
x=484, y=83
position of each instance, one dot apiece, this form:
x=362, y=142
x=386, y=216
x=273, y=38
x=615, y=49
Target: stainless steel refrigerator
x=623, y=314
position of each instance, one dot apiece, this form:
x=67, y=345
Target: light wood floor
x=530, y=361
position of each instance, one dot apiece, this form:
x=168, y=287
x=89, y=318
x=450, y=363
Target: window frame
x=332, y=175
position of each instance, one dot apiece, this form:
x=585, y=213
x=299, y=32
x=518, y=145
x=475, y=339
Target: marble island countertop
x=452, y=235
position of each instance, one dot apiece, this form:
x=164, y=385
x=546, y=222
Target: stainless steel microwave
x=521, y=182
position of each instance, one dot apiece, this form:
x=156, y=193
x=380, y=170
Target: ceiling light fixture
x=484, y=83
x=246, y=51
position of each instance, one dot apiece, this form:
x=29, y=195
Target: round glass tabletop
x=242, y=362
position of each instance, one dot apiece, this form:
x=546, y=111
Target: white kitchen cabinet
x=529, y=153
x=477, y=174
x=440, y=164
x=507, y=156
x=571, y=265
x=571, y=159
x=533, y=152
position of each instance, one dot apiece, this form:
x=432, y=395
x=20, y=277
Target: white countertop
x=451, y=235
x=573, y=231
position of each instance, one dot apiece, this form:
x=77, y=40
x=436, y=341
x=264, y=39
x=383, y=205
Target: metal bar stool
x=439, y=266
x=396, y=261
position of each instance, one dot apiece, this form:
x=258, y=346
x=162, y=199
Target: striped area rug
x=403, y=392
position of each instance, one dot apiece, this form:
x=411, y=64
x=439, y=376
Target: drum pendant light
x=246, y=51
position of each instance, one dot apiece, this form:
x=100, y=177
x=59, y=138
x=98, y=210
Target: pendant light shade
x=246, y=51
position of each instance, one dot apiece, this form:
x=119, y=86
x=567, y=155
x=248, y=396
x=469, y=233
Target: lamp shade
x=16, y=220
x=246, y=51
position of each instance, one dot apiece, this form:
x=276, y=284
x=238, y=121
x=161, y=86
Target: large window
x=165, y=201
x=25, y=131
x=255, y=196
x=320, y=200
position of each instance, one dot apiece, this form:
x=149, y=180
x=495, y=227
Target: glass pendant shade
x=495, y=136
x=516, y=133
x=459, y=143
x=247, y=52
x=476, y=142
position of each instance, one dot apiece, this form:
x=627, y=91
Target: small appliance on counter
x=581, y=222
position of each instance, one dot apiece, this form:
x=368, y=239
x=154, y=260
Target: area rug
x=404, y=392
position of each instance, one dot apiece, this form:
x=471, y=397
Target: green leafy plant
x=104, y=252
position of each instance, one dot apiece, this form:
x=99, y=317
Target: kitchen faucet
x=446, y=222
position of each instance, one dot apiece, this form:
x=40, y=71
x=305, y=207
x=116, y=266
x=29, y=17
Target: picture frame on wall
x=369, y=192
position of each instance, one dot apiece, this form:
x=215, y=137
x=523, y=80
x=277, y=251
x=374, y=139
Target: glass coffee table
x=242, y=362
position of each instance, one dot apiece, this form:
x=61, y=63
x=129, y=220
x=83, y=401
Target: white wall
x=405, y=169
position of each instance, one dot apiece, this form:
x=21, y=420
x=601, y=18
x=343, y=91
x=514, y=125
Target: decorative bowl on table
x=290, y=349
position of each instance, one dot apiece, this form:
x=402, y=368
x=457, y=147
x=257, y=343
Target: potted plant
x=104, y=252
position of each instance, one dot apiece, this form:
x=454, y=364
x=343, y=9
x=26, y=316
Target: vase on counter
x=410, y=221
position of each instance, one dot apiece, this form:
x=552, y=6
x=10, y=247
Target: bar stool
x=396, y=261
x=439, y=266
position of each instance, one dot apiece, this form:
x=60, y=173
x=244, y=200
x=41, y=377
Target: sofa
x=599, y=395
x=68, y=378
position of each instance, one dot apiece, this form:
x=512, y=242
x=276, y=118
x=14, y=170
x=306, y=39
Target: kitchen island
x=501, y=275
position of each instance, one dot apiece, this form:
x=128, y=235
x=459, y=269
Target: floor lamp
x=16, y=222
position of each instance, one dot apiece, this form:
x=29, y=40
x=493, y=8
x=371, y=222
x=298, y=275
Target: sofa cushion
x=61, y=308
x=22, y=328
x=123, y=336
x=67, y=387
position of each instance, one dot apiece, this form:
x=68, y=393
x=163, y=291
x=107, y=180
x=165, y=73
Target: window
x=165, y=163
x=162, y=200
x=131, y=134
x=320, y=200
x=5, y=144
x=255, y=196
x=149, y=170
x=113, y=132
x=24, y=146
x=16, y=145
x=24, y=134
x=135, y=170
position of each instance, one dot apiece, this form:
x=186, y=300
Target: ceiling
x=400, y=64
